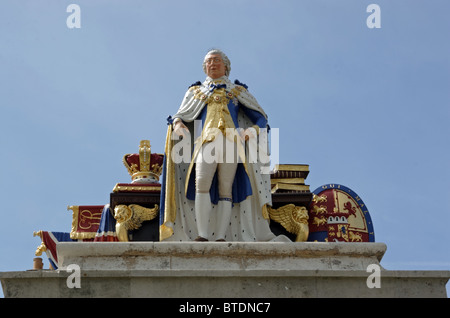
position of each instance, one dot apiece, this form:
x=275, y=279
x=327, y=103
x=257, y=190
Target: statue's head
x=216, y=64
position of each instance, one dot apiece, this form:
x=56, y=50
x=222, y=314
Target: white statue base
x=231, y=270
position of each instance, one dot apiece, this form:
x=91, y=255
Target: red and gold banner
x=85, y=221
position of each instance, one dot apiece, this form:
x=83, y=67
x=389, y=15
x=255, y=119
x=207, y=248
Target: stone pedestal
x=230, y=270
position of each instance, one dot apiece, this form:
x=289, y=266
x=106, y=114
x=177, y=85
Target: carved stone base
x=232, y=270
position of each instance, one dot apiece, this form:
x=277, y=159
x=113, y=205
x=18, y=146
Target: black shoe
x=201, y=239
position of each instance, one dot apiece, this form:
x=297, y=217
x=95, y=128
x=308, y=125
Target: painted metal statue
x=215, y=185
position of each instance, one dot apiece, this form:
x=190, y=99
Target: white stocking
x=223, y=218
x=202, y=212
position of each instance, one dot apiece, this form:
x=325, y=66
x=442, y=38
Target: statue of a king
x=215, y=185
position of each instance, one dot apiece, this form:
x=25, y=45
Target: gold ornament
x=293, y=218
x=131, y=217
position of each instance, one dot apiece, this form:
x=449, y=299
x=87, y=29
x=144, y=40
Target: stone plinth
x=214, y=256
x=231, y=270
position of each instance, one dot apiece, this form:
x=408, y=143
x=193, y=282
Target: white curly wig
x=225, y=60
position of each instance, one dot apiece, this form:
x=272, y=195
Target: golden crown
x=144, y=167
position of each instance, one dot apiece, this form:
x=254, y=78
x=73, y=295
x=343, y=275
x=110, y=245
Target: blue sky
x=365, y=108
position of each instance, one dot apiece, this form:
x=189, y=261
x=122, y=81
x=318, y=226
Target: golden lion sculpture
x=293, y=218
x=130, y=217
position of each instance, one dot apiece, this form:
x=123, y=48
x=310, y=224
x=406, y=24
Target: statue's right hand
x=180, y=129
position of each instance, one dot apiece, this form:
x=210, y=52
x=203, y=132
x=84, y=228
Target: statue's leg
x=226, y=173
x=202, y=214
x=223, y=219
x=204, y=173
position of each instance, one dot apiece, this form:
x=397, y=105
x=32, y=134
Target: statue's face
x=215, y=67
